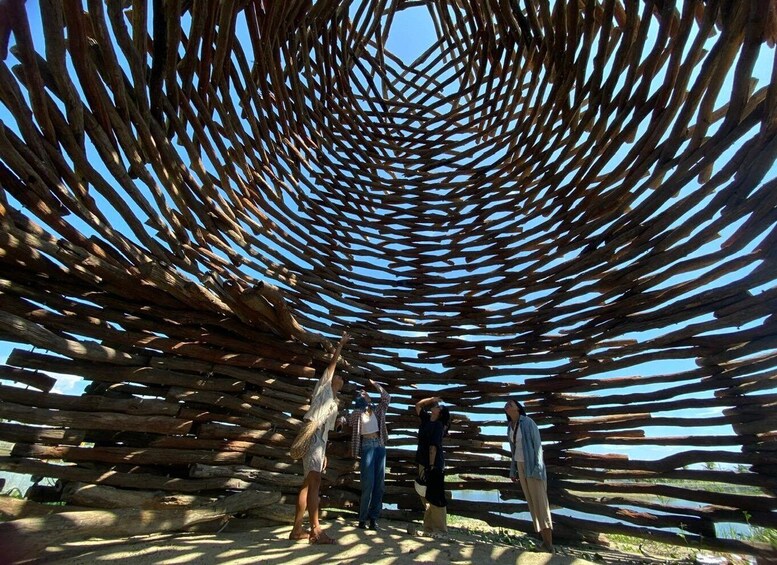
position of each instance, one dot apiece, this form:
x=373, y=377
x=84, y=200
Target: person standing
x=433, y=427
x=323, y=411
x=368, y=442
x=528, y=468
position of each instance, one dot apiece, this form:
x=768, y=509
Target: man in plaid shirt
x=368, y=441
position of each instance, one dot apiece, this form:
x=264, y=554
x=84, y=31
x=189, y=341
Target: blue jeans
x=373, y=475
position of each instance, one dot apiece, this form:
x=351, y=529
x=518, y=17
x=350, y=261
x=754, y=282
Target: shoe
x=373, y=525
x=362, y=525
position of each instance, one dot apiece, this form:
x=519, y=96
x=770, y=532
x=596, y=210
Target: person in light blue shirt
x=528, y=468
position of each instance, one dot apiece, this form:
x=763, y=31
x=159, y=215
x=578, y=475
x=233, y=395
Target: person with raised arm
x=433, y=427
x=368, y=442
x=323, y=411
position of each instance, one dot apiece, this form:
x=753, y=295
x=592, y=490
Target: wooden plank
x=26, y=538
x=97, y=420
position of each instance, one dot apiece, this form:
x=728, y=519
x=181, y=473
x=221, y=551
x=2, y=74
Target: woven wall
x=572, y=203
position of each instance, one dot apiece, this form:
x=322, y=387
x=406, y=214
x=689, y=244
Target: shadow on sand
x=270, y=546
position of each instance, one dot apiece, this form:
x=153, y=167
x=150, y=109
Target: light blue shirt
x=533, y=462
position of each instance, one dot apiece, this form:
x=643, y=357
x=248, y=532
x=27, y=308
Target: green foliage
x=764, y=535
x=683, y=534
x=502, y=536
x=755, y=533
x=487, y=534
x=640, y=546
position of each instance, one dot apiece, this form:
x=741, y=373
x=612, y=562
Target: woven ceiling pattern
x=571, y=202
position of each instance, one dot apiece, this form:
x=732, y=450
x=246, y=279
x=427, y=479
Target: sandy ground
x=392, y=545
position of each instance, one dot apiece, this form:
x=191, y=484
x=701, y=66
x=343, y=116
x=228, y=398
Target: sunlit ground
x=269, y=545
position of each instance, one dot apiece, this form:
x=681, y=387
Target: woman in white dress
x=323, y=411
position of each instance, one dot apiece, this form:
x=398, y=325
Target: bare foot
x=298, y=535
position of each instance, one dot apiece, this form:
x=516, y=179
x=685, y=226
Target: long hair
x=521, y=411
x=445, y=420
x=323, y=404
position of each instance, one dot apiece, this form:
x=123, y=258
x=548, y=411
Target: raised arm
x=330, y=370
x=425, y=402
x=385, y=397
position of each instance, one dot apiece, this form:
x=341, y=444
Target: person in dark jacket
x=434, y=423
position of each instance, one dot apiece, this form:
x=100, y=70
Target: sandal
x=297, y=537
x=321, y=538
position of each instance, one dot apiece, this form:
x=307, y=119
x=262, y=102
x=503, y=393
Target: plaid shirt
x=355, y=421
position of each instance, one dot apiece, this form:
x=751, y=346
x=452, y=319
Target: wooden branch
x=97, y=420
x=27, y=538
x=99, y=475
x=102, y=496
x=26, y=332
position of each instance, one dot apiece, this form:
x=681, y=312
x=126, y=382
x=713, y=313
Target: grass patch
x=482, y=532
x=638, y=548
x=647, y=548
x=765, y=535
x=13, y=493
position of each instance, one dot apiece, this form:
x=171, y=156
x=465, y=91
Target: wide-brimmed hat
x=420, y=488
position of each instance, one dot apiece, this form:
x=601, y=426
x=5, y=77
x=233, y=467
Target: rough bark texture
x=573, y=203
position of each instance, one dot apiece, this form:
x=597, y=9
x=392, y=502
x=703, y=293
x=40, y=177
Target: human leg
x=538, y=504
x=428, y=517
x=441, y=512
x=378, y=485
x=435, y=519
x=443, y=519
x=313, y=464
x=314, y=485
x=547, y=539
x=366, y=478
x=316, y=535
x=529, y=495
x=299, y=512
x=536, y=495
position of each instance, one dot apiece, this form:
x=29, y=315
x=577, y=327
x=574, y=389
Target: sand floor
x=392, y=545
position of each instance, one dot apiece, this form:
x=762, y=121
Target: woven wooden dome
x=573, y=203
